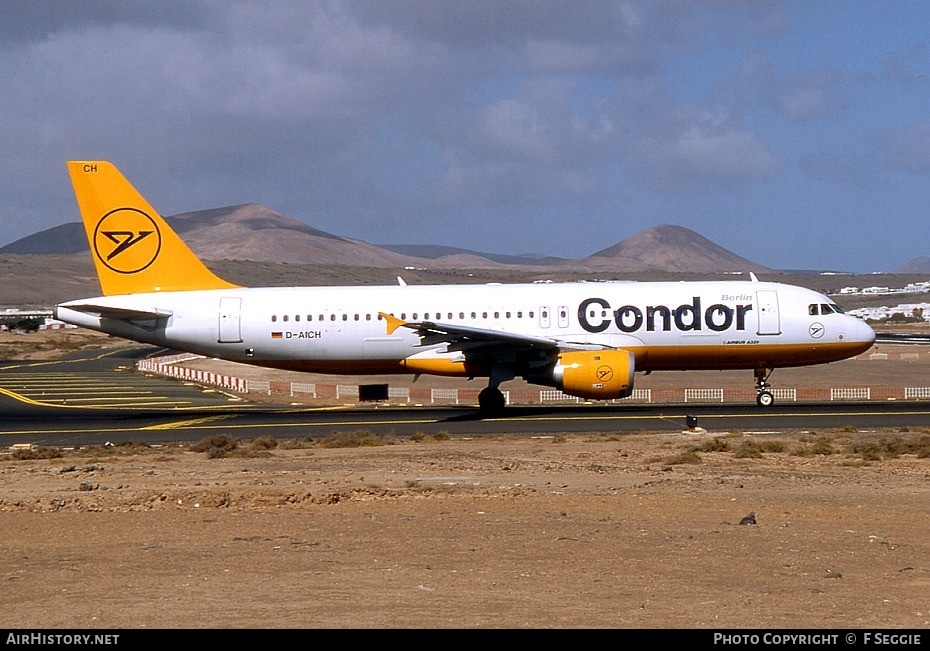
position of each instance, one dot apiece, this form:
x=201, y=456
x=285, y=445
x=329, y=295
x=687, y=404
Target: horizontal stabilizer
x=119, y=313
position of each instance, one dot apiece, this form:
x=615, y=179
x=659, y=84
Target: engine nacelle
x=595, y=374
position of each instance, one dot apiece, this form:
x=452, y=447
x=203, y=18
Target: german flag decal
x=276, y=335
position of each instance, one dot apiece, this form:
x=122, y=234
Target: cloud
x=699, y=156
x=413, y=118
x=907, y=149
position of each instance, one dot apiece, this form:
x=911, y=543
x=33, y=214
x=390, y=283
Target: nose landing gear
x=764, y=396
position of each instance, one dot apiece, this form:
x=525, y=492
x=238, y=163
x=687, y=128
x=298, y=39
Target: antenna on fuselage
x=400, y=281
x=752, y=277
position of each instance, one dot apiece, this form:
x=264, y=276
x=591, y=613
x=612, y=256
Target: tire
x=765, y=399
x=491, y=402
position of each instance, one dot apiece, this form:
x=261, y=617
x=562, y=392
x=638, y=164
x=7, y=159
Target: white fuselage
x=667, y=326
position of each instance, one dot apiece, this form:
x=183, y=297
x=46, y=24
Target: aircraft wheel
x=765, y=399
x=491, y=401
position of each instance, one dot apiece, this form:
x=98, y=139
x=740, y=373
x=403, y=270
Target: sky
x=795, y=134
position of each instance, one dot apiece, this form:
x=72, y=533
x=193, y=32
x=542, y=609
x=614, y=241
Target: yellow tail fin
x=133, y=248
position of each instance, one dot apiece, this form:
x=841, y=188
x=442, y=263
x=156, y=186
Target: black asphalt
x=95, y=398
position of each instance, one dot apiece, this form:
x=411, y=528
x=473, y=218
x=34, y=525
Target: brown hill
x=919, y=265
x=669, y=248
x=255, y=232
x=244, y=232
x=252, y=232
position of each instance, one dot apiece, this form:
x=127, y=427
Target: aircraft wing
x=480, y=340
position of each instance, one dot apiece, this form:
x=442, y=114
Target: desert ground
x=692, y=529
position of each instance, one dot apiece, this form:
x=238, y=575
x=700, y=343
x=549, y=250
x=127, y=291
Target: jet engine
x=595, y=374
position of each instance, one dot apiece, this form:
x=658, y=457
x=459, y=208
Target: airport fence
x=176, y=367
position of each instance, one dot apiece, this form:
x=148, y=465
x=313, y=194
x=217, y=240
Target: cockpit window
x=824, y=308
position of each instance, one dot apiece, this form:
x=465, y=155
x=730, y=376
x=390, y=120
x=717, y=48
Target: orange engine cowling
x=595, y=374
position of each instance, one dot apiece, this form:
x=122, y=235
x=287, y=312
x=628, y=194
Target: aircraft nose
x=861, y=332
x=868, y=334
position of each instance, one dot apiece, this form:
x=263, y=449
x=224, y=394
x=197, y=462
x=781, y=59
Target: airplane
x=586, y=339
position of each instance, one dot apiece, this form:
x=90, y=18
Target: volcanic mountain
x=669, y=248
x=919, y=265
x=244, y=232
x=252, y=232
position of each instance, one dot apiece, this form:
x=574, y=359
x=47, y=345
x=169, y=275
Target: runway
x=93, y=399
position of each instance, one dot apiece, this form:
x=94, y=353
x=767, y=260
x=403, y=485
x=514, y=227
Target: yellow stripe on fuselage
x=648, y=358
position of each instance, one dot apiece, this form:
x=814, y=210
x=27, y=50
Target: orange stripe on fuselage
x=651, y=358
x=375, y=367
x=745, y=356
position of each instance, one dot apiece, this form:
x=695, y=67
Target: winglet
x=393, y=323
x=134, y=248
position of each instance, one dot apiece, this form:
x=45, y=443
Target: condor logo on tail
x=127, y=240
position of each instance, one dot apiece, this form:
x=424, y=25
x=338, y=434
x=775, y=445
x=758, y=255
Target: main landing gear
x=764, y=397
x=491, y=401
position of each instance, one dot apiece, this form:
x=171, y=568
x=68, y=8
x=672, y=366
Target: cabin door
x=769, y=323
x=230, y=311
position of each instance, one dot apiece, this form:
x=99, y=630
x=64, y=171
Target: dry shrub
x=716, y=444
x=353, y=439
x=217, y=446
x=37, y=452
x=686, y=457
x=748, y=450
x=264, y=443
